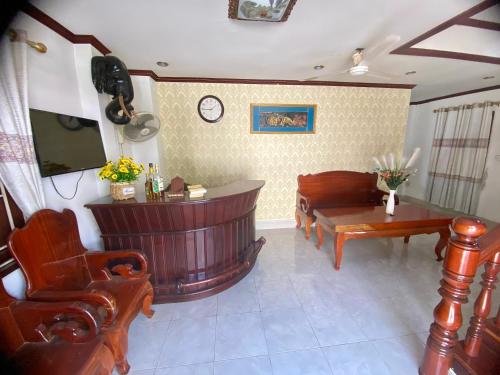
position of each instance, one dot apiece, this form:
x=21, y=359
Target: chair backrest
x=346, y=187
x=49, y=251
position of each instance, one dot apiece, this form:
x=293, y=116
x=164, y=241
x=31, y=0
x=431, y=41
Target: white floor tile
x=378, y=319
x=240, y=298
x=356, y=359
x=239, y=335
x=288, y=329
x=193, y=309
x=277, y=294
x=145, y=341
x=244, y=366
x=198, y=369
x=143, y=372
x=189, y=341
x=402, y=354
x=302, y=362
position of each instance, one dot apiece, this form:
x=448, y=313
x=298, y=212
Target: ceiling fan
x=362, y=57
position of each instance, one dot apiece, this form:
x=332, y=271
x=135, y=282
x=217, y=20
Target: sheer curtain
x=18, y=169
x=458, y=156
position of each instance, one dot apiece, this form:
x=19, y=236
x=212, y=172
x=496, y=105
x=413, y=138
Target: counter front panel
x=195, y=247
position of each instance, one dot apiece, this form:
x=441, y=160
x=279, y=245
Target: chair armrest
x=98, y=263
x=101, y=299
x=72, y=321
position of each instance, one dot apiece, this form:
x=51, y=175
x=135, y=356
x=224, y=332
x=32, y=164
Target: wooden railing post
x=482, y=307
x=459, y=268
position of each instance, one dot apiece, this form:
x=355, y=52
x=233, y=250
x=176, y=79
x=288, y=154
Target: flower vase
x=389, y=208
x=122, y=190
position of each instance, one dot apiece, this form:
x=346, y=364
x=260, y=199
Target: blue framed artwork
x=283, y=118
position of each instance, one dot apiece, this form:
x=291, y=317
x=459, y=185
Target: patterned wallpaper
x=352, y=125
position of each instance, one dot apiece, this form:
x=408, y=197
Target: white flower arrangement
x=394, y=172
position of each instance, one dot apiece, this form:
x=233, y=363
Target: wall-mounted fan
x=142, y=126
x=362, y=57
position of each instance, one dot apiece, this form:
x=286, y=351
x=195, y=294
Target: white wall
x=420, y=132
x=60, y=81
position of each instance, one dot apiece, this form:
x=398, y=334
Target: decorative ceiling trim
x=456, y=94
x=155, y=77
x=480, y=24
x=463, y=18
x=233, y=11
x=55, y=26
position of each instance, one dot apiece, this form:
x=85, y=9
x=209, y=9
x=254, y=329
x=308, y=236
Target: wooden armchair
x=58, y=268
x=51, y=338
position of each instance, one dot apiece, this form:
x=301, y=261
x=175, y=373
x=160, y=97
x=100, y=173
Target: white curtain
x=18, y=168
x=458, y=156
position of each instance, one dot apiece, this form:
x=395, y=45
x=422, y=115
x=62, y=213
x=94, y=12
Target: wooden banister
x=459, y=267
x=489, y=244
x=482, y=307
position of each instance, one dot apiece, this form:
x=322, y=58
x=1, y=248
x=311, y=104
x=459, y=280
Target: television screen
x=66, y=144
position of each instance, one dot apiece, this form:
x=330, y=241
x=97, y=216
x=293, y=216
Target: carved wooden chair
x=58, y=267
x=57, y=338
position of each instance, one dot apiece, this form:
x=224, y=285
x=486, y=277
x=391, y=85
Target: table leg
x=338, y=245
x=407, y=239
x=319, y=233
x=444, y=236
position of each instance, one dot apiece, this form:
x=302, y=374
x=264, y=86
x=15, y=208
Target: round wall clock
x=210, y=108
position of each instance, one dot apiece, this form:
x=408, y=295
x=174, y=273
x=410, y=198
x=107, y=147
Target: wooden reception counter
x=195, y=247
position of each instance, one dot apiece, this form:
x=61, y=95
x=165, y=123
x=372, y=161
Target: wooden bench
x=335, y=189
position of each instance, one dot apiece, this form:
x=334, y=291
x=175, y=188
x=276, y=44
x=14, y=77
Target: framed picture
x=283, y=118
x=261, y=10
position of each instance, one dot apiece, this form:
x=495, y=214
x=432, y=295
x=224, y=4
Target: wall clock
x=210, y=108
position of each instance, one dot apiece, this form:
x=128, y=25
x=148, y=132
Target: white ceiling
x=198, y=39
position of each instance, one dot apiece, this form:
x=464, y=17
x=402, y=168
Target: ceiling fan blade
x=381, y=47
x=315, y=78
x=383, y=75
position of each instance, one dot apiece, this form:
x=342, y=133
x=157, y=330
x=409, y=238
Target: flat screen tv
x=65, y=144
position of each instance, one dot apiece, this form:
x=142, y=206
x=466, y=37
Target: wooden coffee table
x=365, y=222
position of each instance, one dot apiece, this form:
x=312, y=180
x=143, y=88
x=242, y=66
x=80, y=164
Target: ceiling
x=197, y=39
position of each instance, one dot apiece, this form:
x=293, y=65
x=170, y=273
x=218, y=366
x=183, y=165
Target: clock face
x=210, y=108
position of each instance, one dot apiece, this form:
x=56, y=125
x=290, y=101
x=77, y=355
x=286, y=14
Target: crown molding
x=155, y=77
x=55, y=26
x=455, y=94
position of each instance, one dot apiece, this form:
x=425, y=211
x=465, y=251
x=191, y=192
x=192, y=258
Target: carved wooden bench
x=334, y=189
x=59, y=268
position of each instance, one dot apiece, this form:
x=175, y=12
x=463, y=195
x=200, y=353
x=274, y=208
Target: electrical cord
x=62, y=196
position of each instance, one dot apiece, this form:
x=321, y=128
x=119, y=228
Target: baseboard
x=275, y=224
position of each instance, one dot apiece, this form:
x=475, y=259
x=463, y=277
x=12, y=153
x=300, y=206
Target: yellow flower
x=136, y=171
x=107, y=173
x=123, y=169
x=114, y=177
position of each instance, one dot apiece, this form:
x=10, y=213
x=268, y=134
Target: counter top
x=232, y=189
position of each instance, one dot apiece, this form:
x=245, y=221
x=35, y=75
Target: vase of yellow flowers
x=394, y=172
x=122, y=174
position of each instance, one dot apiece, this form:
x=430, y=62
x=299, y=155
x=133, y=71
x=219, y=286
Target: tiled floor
x=294, y=314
